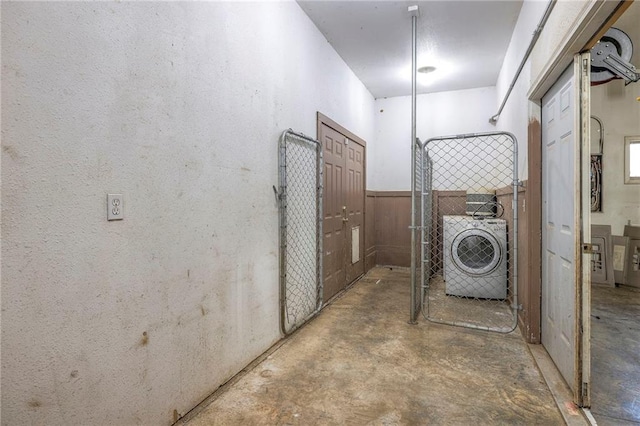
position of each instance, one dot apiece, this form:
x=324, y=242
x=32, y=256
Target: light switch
x=115, y=207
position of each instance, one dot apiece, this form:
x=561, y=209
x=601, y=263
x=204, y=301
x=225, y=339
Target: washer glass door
x=476, y=251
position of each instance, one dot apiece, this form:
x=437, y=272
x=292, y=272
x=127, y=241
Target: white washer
x=475, y=257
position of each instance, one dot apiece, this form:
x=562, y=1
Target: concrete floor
x=483, y=313
x=359, y=362
x=615, y=355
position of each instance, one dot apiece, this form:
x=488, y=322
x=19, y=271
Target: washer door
x=476, y=252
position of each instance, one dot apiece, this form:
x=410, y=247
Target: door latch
x=588, y=248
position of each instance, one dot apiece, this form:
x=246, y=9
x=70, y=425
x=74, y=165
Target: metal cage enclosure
x=469, y=225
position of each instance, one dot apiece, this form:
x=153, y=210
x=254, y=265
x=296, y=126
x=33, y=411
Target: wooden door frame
x=321, y=120
x=594, y=22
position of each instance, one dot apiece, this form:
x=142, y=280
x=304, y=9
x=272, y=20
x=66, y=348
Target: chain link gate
x=469, y=231
x=300, y=206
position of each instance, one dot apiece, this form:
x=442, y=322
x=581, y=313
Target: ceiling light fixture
x=426, y=70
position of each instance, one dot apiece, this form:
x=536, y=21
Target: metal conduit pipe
x=536, y=34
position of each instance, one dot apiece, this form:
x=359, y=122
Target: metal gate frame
x=294, y=285
x=425, y=183
x=417, y=247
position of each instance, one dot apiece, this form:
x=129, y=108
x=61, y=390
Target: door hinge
x=588, y=248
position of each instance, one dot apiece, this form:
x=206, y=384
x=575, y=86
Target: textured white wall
x=438, y=114
x=565, y=16
x=518, y=111
x=515, y=115
x=617, y=107
x=179, y=107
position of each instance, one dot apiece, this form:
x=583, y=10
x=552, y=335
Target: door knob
x=344, y=214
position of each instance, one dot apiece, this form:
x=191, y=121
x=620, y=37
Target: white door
x=560, y=204
x=566, y=225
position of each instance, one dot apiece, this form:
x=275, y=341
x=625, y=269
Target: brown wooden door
x=355, y=210
x=343, y=205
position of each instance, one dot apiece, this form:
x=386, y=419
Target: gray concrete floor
x=360, y=363
x=615, y=355
x=493, y=314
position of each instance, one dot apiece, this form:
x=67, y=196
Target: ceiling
x=465, y=40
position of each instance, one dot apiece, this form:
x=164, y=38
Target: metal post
x=413, y=10
x=514, y=262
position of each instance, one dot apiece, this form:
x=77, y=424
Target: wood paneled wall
x=528, y=262
x=530, y=271
x=388, y=238
x=370, y=232
x=505, y=197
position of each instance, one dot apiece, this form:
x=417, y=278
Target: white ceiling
x=465, y=40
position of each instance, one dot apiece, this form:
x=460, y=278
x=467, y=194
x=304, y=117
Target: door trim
x=594, y=16
x=580, y=385
x=323, y=119
x=584, y=295
x=578, y=128
x=620, y=9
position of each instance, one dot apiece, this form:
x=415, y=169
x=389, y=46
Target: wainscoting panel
x=390, y=244
x=370, y=232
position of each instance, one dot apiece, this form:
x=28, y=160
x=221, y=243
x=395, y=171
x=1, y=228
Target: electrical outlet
x=115, y=206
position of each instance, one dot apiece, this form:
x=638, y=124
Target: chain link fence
x=300, y=203
x=469, y=231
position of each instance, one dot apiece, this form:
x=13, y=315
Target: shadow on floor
x=360, y=362
x=615, y=355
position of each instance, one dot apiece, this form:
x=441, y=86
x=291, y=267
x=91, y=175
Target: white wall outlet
x=115, y=206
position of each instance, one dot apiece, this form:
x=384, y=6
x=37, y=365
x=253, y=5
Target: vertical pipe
x=422, y=223
x=414, y=25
